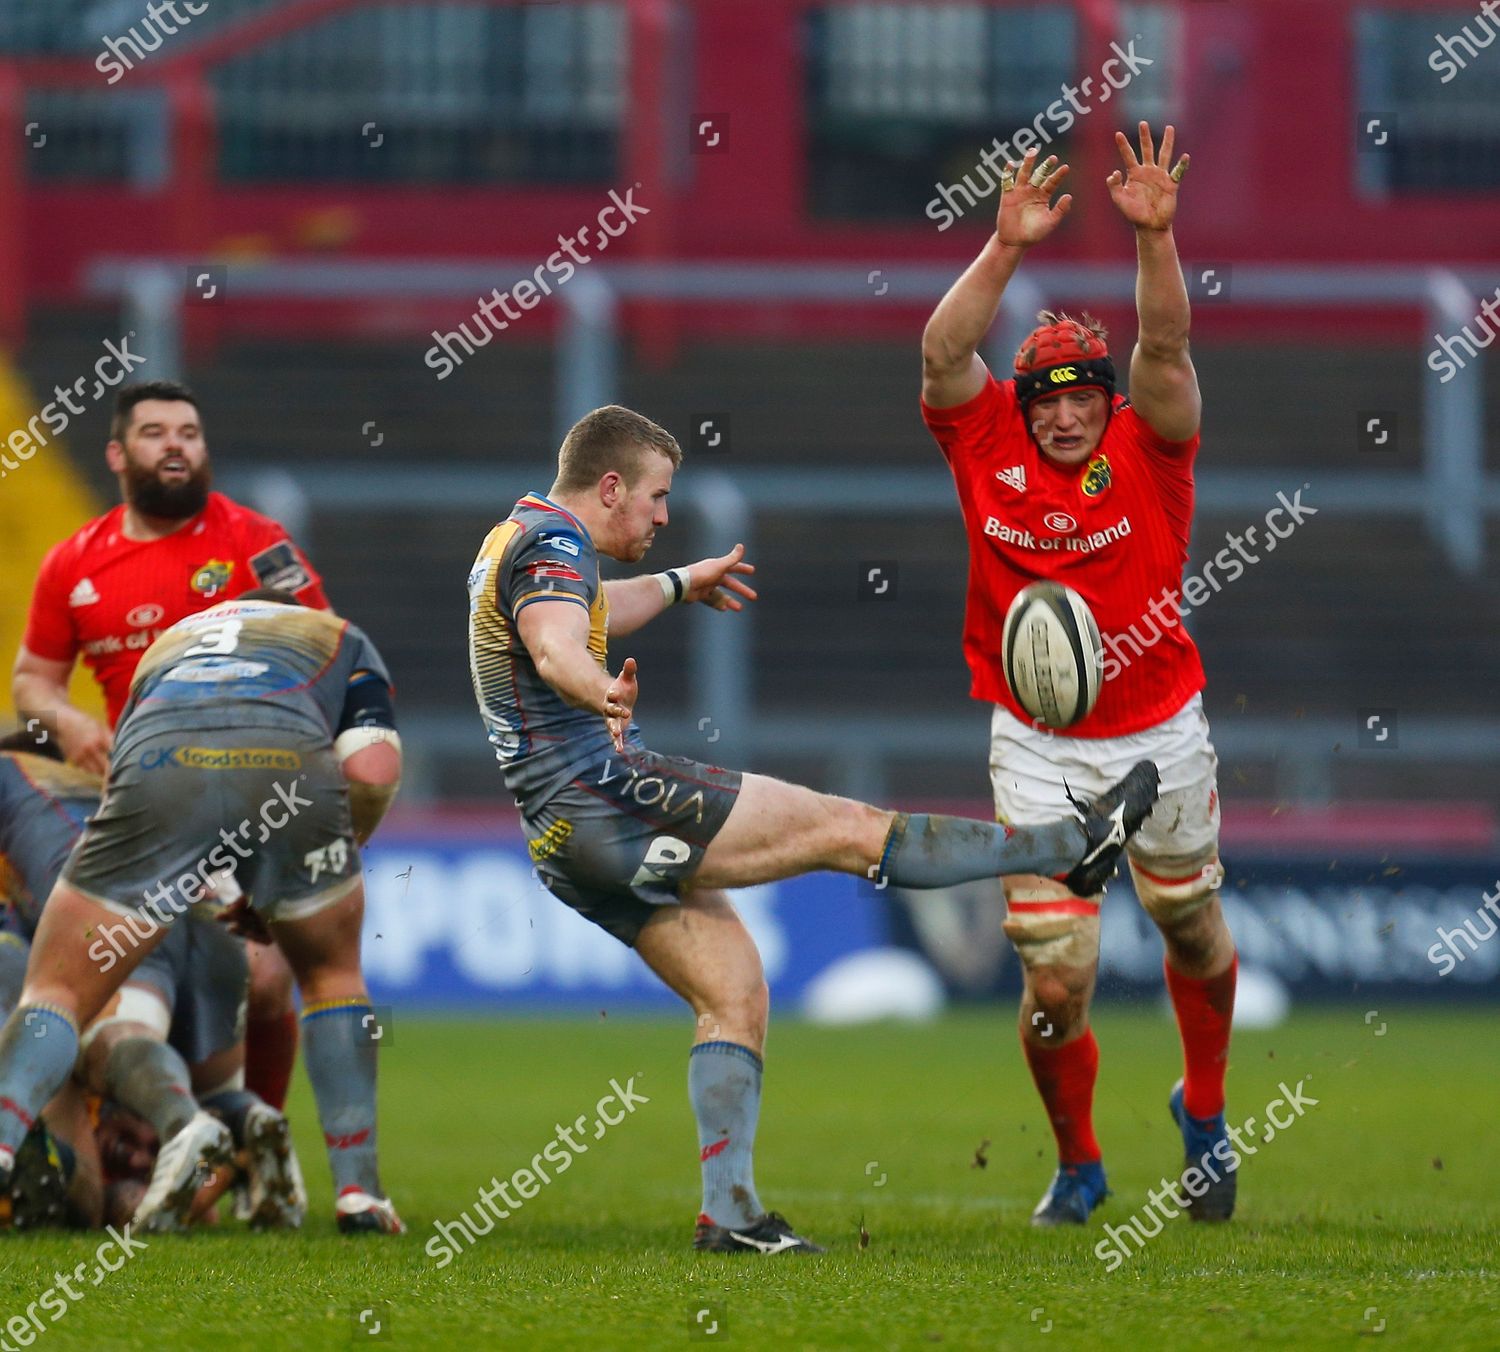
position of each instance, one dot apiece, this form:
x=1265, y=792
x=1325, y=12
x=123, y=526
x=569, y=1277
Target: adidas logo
x=1014, y=477
x=84, y=594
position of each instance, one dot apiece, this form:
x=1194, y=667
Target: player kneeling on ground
x=643, y=844
x=239, y=722
x=169, y=1048
x=175, y=1023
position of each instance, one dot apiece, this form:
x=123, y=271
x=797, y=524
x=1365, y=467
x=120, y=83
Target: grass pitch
x=1376, y=1215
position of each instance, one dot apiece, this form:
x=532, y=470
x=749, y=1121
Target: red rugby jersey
x=107, y=597
x=1114, y=529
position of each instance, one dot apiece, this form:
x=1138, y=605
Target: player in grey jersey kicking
x=643, y=844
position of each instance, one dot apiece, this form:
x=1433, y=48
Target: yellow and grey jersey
x=43, y=806
x=258, y=663
x=539, y=553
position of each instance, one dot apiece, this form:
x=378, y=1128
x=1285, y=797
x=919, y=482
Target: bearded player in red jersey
x=171, y=549
x=1060, y=477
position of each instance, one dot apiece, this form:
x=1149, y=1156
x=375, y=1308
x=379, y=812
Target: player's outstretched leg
x=339, y=1038
x=702, y=951
x=778, y=830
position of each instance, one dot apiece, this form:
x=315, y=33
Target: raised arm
x=635, y=601
x=1163, y=384
x=952, y=370
x=556, y=634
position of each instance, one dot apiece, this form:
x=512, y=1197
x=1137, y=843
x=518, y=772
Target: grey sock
x=38, y=1047
x=340, y=1057
x=153, y=1081
x=926, y=851
x=724, y=1086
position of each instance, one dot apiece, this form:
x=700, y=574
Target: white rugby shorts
x=1029, y=766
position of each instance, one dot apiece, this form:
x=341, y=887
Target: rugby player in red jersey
x=1061, y=477
x=170, y=549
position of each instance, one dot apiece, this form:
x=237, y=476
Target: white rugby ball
x=1051, y=654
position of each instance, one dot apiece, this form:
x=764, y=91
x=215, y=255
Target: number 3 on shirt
x=221, y=638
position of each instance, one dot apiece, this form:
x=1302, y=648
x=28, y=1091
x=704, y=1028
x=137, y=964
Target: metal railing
x=1452, y=492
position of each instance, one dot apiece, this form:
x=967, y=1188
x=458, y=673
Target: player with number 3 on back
x=259, y=736
x=171, y=548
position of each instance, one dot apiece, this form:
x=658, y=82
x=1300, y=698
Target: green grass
x=1384, y=1197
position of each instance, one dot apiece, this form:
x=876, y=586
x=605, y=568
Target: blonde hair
x=611, y=438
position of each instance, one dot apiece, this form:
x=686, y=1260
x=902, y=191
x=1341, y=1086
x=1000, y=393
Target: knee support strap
x=138, y=1004
x=1171, y=887
x=1049, y=926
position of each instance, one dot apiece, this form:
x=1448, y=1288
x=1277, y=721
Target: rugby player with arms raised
x=1060, y=477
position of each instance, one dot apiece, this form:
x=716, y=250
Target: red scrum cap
x=1063, y=354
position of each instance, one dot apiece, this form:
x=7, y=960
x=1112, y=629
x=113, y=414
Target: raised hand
x=1025, y=218
x=619, y=703
x=715, y=581
x=1146, y=192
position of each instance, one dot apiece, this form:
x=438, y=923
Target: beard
x=171, y=502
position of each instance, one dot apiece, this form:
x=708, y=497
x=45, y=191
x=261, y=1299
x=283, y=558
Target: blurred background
x=296, y=204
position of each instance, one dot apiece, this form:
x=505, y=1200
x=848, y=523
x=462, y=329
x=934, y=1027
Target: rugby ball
x=1051, y=654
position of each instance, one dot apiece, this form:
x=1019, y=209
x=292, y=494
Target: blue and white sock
x=340, y=1056
x=724, y=1086
x=38, y=1047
